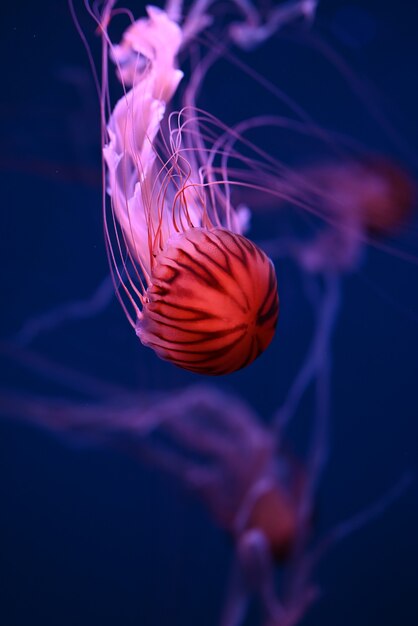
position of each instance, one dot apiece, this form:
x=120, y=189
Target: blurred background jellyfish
x=253, y=486
x=247, y=143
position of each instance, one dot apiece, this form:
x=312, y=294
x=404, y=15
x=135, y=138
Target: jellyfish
x=218, y=448
x=206, y=296
x=215, y=445
x=364, y=200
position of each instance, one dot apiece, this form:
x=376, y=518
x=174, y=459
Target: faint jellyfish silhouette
x=218, y=448
x=215, y=445
x=363, y=200
x=257, y=492
x=359, y=202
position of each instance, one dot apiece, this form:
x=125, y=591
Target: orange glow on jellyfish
x=204, y=297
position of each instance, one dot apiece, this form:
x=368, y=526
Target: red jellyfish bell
x=212, y=305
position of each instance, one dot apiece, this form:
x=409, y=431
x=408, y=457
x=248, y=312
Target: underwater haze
x=93, y=529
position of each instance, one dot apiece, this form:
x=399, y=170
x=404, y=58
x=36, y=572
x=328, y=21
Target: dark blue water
x=89, y=536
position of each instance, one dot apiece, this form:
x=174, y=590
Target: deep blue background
x=91, y=537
